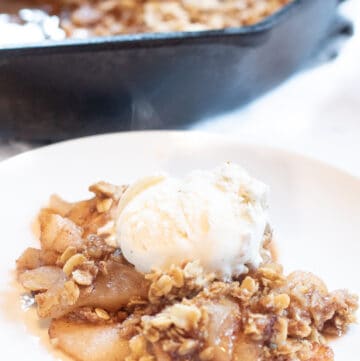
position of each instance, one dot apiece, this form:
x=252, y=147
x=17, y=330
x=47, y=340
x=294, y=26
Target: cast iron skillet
x=57, y=90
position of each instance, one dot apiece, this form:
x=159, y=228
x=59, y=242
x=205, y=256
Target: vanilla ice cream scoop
x=216, y=217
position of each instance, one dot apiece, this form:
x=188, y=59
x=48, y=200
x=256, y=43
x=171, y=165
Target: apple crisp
x=101, y=308
x=110, y=17
x=87, y=18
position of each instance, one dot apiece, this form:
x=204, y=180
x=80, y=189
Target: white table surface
x=316, y=113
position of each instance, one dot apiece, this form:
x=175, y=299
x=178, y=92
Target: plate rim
x=231, y=139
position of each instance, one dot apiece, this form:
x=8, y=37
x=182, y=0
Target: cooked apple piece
x=321, y=353
x=86, y=214
x=299, y=281
x=246, y=350
x=88, y=342
x=60, y=299
x=116, y=288
x=58, y=233
x=34, y=258
x=103, y=189
x=41, y=278
x=329, y=312
x=81, y=212
x=110, y=291
x=223, y=325
x=159, y=353
x=59, y=206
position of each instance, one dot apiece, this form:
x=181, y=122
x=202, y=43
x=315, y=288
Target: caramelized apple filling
x=103, y=309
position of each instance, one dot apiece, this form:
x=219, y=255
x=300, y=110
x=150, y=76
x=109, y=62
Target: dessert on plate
x=177, y=269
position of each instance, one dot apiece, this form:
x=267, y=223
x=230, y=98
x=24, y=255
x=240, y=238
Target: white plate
x=315, y=209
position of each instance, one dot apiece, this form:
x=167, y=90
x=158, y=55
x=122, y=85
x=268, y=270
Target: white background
x=316, y=113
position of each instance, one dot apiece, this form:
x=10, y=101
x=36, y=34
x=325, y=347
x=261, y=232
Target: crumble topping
x=87, y=18
x=177, y=283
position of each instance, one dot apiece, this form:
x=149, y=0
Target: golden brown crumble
x=111, y=17
x=86, y=18
x=89, y=290
x=177, y=283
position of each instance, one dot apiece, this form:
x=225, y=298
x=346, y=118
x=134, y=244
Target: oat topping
x=102, y=314
x=177, y=283
x=175, y=327
x=73, y=262
x=59, y=19
x=82, y=278
x=68, y=253
x=97, y=18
